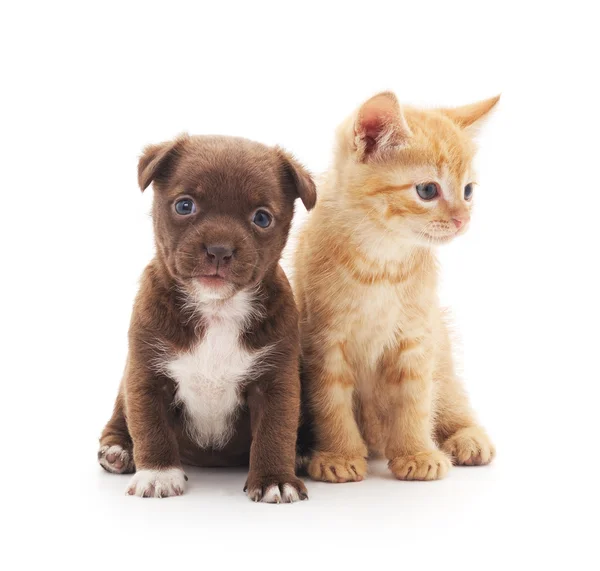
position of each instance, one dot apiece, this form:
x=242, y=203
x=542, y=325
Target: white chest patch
x=208, y=377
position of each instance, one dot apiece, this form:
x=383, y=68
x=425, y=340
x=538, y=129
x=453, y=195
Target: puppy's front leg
x=274, y=403
x=155, y=449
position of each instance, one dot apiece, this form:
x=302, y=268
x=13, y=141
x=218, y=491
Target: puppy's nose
x=218, y=253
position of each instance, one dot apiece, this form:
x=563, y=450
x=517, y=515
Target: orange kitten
x=378, y=370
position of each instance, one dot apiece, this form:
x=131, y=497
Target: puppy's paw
x=337, y=468
x=470, y=446
x=429, y=465
x=116, y=459
x=275, y=490
x=157, y=483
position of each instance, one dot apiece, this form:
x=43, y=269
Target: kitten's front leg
x=411, y=451
x=340, y=452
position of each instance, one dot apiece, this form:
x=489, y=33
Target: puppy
x=212, y=371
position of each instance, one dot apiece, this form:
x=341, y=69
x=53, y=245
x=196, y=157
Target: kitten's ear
x=380, y=125
x=471, y=116
x=157, y=160
x=298, y=179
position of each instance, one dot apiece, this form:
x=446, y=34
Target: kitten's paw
x=157, y=483
x=470, y=446
x=275, y=489
x=116, y=459
x=336, y=468
x=429, y=465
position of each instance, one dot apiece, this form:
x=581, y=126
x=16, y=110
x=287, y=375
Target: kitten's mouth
x=443, y=239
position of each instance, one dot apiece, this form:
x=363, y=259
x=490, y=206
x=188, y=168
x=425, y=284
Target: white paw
x=115, y=459
x=272, y=495
x=290, y=494
x=278, y=494
x=157, y=483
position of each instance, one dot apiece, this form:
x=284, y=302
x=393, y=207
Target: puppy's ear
x=380, y=125
x=298, y=178
x=157, y=161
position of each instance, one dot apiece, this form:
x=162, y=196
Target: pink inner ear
x=380, y=122
x=371, y=126
x=374, y=121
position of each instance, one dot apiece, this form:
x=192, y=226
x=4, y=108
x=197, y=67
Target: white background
x=86, y=85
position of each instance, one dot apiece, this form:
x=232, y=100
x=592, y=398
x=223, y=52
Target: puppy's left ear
x=298, y=178
x=157, y=161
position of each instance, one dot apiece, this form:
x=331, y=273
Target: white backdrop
x=85, y=86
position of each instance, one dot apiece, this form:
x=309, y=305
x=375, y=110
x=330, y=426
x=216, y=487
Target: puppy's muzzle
x=219, y=255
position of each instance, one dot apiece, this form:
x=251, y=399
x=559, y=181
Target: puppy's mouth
x=213, y=280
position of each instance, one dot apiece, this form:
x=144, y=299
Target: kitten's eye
x=469, y=191
x=185, y=206
x=428, y=191
x=262, y=219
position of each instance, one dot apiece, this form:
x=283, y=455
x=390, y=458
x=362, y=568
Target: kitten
x=378, y=368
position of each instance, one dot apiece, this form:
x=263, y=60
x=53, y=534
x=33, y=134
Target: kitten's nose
x=218, y=253
x=458, y=222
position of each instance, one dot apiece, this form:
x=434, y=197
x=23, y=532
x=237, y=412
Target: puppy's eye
x=428, y=190
x=185, y=206
x=262, y=219
x=469, y=191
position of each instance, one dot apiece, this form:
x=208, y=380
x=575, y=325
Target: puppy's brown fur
x=150, y=431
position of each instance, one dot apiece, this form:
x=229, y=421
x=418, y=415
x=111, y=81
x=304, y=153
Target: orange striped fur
x=378, y=368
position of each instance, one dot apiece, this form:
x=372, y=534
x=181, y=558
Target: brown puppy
x=212, y=373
